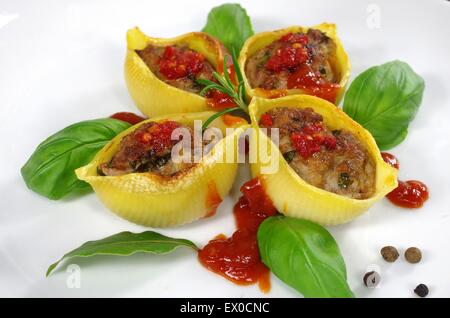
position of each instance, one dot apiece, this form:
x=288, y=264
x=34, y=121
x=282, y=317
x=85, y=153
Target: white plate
x=61, y=62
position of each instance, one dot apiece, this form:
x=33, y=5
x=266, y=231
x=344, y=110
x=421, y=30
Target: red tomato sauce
x=237, y=258
x=176, y=63
x=130, y=118
x=311, y=139
x=266, y=120
x=218, y=100
x=293, y=56
x=391, y=160
x=230, y=120
x=409, y=194
x=271, y=93
x=312, y=83
x=295, y=38
x=292, y=53
x=158, y=136
x=287, y=57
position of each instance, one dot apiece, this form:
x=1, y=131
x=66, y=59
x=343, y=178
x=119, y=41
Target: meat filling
x=177, y=66
x=303, y=61
x=333, y=160
x=147, y=149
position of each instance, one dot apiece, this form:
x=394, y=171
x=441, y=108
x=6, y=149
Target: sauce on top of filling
x=333, y=160
x=177, y=65
x=147, y=149
x=181, y=67
x=302, y=61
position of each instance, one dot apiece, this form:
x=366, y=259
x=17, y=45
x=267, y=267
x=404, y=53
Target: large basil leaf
x=385, y=99
x=230, y=24
x=50, y=169
x=127, y=243
x=304, y=255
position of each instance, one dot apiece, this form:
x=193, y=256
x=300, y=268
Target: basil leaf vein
x=125, y=244
x=385, y=99
x=304, y=255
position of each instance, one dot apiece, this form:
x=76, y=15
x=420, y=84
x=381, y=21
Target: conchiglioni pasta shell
x=293, y=196
x=261, y=40
x=154, y=97
x=152, y=200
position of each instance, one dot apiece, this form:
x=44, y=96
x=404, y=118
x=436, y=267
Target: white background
x=61, y=62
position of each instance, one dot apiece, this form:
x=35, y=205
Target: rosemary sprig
x=225, y=85
x=217, y=115
x=240, y=78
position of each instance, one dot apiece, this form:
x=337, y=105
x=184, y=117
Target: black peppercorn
x=371, y=279
x=421, y=290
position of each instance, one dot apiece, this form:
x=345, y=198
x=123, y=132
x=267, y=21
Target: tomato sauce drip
x=259, y=202
x=213, y=199
x=271, y=93
x=312, y=83
x=390, y=159
x=176, y=63
x=130, y=118
x=218, y=100
x=230, y=120
x=409, y=194
x=311, y=139
x=237, y=258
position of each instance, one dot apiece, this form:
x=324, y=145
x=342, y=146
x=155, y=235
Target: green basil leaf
x=125, y=244
x=304, y=255
x=50, y=169
x=230, y=24
x=385, y=99
x=389, y=142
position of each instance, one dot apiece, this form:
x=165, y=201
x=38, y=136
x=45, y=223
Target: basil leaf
x=50, y=169
x=385, y=99
x=304, y=255
x=230, y=24
x=125, y=244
